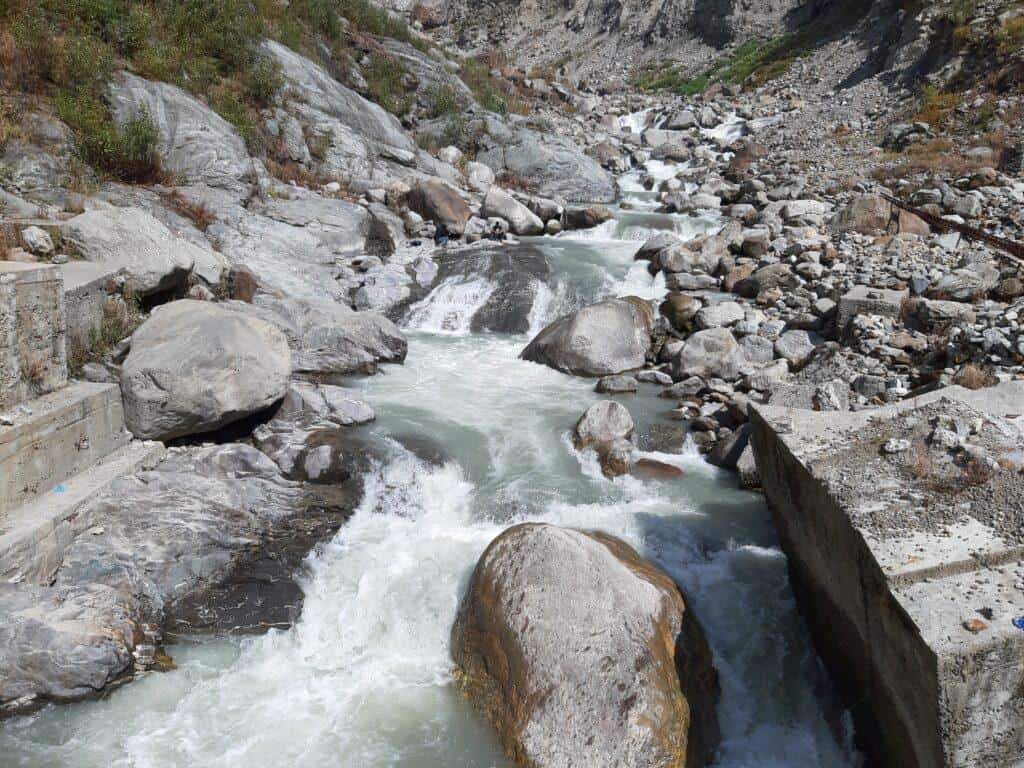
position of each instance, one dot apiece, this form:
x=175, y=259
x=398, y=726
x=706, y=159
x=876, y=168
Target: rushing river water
x=363, y=678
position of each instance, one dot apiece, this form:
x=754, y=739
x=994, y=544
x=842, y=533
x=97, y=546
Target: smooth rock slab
x=195, y=142
x=130, y=239
x=329, y=338
x=195, y=367
x=581, y=653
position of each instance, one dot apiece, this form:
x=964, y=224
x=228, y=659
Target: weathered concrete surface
x=33, y=537
x=909, y=567
x=863, y=300
x=64, y=433
x=33, y=357
x=86, y=293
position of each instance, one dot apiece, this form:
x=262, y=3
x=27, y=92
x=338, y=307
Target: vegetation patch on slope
x=68, y=49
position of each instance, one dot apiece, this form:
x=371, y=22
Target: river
x=363, y=678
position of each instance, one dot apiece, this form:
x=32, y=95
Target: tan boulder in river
x=582, y=653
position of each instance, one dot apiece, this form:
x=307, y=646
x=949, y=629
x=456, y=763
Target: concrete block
x=910, y=586
x=33, y=356
x=33, y=537
x=61, y=434
x=87, y=289
x=862, y=300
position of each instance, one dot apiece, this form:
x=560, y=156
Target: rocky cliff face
x=599, y=36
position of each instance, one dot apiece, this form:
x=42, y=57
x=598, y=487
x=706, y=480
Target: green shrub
x=226, y=103
x=128, y=153
x=262, y=80
x=442, y=100
x=383, y=77
x=477, y=76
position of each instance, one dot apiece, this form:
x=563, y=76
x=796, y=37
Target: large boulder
x=124, y=569
x=587, y=217
x=195, y=367
x=327, y=338
x=521, y=220
x=765, y=279
x=608, y=337
x=582, y=653
x=550, y=164
x=606, y=427
x=195, y=142
x=153, y=258
x=294, y=240
x=872, y=214
x=710, y=353
x=437, y=201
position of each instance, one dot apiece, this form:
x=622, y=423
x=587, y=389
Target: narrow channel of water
x=363, y=678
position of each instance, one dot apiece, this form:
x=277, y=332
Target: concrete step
x=33, y=536
x=55, y=437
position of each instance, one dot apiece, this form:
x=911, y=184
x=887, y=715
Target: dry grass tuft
x=198, y=212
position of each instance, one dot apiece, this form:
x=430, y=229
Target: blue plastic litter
x=1018, y=622
x=58, y=488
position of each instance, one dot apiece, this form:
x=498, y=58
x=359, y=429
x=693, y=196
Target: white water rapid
x=478, y=440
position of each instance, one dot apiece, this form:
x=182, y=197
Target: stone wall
x=33, y=357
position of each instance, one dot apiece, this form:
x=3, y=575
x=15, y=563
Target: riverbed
x=476, y=440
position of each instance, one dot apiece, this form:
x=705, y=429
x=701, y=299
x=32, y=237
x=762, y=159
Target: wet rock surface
x=171, y=535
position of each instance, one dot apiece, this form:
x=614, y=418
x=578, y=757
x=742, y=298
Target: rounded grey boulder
x=582, y=653
x=609, y=337
x=195, y=367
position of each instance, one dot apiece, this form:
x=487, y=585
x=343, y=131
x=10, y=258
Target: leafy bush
x=383, y=77
x=442, y=100
x=128, y=153
x=476, y=74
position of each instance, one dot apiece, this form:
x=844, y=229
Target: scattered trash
x=1018, y=622
x=975, y=625
x=58, y=488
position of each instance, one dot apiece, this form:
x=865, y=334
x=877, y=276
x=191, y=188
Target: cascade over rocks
x=195, y=367
x=611, y=336
x=517, y=274
x=607, y=428
x=638, y=689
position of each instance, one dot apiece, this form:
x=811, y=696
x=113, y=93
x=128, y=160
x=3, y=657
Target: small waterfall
x=636, y=122
x=450, y=306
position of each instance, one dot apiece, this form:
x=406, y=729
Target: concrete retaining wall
x=889, y=612
x=67, y=432
x=33, y=354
